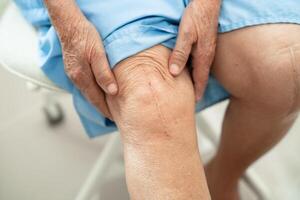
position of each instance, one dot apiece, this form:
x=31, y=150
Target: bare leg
x=155, y=114
x=259, y=66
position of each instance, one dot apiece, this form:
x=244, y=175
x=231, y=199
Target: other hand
x=197, y=37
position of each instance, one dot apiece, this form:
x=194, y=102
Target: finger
x=201, y=68
x=86, y=83
x=182, y=50
x=96, y=97
x=102, y=72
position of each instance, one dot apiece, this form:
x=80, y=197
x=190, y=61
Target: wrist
x=212, y=5
x=208, y=10
x=216, y=2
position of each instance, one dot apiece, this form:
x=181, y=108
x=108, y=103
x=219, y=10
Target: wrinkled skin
x=83, y=57
x=255, y=120
x=83, y=53
x=196, y=38
x=145, y=83
x=154, y=110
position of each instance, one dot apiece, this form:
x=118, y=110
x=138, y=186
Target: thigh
x=260, y=63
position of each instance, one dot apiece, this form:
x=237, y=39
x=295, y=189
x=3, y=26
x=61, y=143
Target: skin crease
x=158, y=151
x=83, y=53
x=158, y=133
x=197, y=35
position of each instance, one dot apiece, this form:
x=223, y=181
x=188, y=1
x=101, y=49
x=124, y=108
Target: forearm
x=215, y=4
x=65, y=15
x=209, y=10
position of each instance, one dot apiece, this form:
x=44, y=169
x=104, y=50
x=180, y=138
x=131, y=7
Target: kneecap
x=150, y=99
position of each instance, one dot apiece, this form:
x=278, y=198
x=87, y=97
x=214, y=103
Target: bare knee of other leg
x=268, y=79
x=275, y=87
x=263, y=76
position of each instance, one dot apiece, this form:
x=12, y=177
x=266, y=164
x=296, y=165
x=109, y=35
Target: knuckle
x=78, y=77
x=100, y=54
x=104, y=77
x=180, y=55
x=96, y=52
x=75, y=75
x=103, y=73
x=188, y=36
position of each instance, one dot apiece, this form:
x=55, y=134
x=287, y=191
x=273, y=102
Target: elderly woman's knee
x=149, y=98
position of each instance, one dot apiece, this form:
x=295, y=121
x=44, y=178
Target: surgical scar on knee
x=151, y=102
x=158, y=108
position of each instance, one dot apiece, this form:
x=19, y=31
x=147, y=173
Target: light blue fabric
x=130, y=26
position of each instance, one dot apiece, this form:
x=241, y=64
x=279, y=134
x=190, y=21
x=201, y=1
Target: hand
x=83, y=53
x=86, y=63
x=197, y=36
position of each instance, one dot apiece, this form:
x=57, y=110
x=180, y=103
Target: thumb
x=102, y=72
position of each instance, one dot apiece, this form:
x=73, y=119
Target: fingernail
x=174, y=69
x=112, y=88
